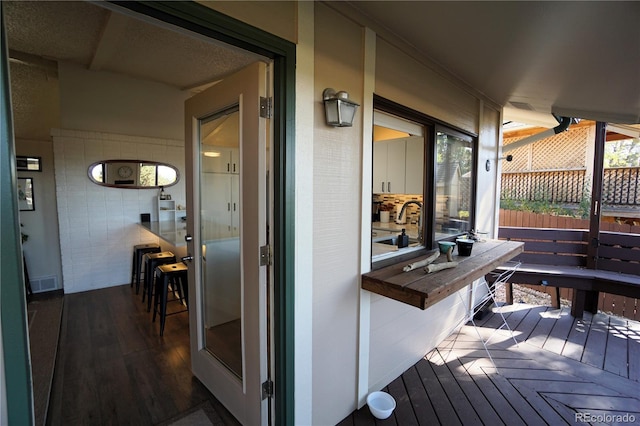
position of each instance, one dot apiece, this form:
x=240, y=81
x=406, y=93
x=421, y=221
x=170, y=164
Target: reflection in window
x=454, y=183
x=436, y=183
x=97, y=172
x=147, y=175
x=166, y=175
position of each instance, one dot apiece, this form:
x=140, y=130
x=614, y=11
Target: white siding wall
x=336, y=223
x=488, y=201
x=405, y=80
x=399, y=335
x=304, y=169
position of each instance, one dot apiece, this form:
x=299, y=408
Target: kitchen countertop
x=411, y=229
x=419, y=289
x=172, y=232
x=381, y=251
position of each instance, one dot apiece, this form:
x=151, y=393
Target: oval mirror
x=134, y=174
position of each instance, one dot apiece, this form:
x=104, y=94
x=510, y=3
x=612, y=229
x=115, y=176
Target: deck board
x=561, y=368
x=422, y=407
x=455, y=394
x=484, y=409
x=615, y=360
x=574, y=345
x=560, y=332
x=595, y=346
x=633, y=330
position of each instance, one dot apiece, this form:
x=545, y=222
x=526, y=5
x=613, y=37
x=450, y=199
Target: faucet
x=404, y=207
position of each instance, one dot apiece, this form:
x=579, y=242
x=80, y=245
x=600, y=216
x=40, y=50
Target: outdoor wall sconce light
x=338, y=108
x=487, y=165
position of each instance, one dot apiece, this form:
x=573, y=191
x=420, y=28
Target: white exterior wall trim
x=303, y=333
x=364, y=325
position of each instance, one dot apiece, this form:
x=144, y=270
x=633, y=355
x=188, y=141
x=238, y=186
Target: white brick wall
x=99, y=225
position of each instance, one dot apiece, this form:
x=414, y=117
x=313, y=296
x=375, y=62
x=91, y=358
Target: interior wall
x=115, y=103
x=42, y=249
x=98, y=225
x=109, y=116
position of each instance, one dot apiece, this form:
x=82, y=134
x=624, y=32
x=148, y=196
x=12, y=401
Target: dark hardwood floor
x=113, y=368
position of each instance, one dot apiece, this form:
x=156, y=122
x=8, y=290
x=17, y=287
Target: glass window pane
x=454, y=184
x=166, y=175
x=97, y=172
x=221, y=277
x=148, y=175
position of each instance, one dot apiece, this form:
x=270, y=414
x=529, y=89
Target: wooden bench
x=558, y=258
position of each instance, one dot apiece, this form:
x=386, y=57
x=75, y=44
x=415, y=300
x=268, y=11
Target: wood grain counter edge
x=422, y=290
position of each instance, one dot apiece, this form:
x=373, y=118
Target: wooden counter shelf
x=419, y=289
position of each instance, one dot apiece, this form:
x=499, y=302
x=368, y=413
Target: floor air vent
x=44, y=283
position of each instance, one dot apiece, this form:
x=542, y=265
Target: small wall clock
x=125, y=171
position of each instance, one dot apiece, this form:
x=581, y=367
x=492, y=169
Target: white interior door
x=227, y=220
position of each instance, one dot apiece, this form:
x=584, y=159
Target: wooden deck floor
x=562, y=371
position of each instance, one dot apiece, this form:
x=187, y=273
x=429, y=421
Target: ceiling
x=578, y=59
x=102, y=40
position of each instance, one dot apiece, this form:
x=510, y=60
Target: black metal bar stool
x=151, y=262
x=136, y=266
x=176, y=275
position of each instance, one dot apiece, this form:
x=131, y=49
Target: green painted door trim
x=200, y=19
x=13, y=310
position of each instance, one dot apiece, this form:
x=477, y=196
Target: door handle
x=187, y=258
x=188, y=238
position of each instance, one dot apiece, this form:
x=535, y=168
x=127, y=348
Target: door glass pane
x=454, y=179
x=220, y=236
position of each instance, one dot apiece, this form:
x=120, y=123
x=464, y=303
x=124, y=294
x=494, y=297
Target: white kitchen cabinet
x=389, y=166
x=398, y=166
x=221, y=198
x=414, y=166
x=221, y=159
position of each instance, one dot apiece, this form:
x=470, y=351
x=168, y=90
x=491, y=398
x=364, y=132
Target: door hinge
x=265, y=255
x=266, y=107
x=267, y=389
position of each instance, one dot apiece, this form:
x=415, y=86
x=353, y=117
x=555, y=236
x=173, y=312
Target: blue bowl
x=445, y=245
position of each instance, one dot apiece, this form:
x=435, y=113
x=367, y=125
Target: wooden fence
x=623, y=306
x=539, y=220
x=620, y=186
